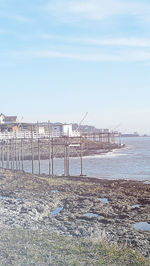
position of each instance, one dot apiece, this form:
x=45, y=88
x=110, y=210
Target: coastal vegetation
x=41, y=247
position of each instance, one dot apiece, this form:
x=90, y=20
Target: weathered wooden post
x=2, y=151
x=52, y=157
x=81, y=159
x=16, y=157
x=13, y=154
x=7, y=154
x=120, y=139
x=64, y=156
x=22, y=159
x=49, y=143
x=32, y=149
x=19, y=153
x=39, y=156
x=109, y=145
x=68, y=156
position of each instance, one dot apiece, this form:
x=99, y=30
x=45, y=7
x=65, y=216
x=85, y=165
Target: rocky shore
x=82, y=207
x=89, y=147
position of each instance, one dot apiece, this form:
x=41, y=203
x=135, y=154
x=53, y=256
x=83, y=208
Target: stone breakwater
x=88, y=148
x=96, y=209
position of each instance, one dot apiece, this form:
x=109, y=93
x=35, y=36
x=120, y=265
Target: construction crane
x=20, y=123
x=79, y=125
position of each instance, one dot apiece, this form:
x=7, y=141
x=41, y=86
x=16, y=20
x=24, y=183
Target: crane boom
x=82, y=120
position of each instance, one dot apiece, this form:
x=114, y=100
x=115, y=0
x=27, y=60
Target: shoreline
x=90, y=148
x=27, y=201
x=85, y=154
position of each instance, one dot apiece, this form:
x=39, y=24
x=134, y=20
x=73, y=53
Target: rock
x=39, y=209
x=124, y=216
x=23, y=210
x=105, y=221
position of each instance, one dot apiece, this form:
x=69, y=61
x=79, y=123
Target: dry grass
x=21, y=247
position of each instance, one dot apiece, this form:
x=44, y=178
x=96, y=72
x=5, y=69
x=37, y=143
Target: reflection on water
x=135, y=206
x=90, y=214
x=142, y=226
x=56, y=211
x=105, y=200
x=131, y=162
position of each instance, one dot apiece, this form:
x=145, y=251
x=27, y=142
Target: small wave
x=105, y=155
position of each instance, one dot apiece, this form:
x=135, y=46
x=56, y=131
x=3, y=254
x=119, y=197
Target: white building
x=41, y=130
x=61, y=130
x=67, y=130
x=2, y=119
x=7, y=119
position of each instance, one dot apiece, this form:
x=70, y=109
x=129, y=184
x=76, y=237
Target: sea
x=131, y=162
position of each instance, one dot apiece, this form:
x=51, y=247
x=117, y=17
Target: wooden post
x=52, y=158
x=67, y=157
x=7, y=151
x=11, y=152
x=49, y=143
x=2, y=154
x=19, y=153
x=2, y=151
x=109, y=140
x=32, y=151
x=16, y=157
x=39, y=156
x=119, y=139
x=64, y=156
x=81, y=159
x=100, y=136
x=22, y=154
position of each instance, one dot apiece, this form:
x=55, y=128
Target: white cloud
x=77, y=10
x=128, y=56
x=129, y=42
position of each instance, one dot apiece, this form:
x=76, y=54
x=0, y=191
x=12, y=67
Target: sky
x=62, y=58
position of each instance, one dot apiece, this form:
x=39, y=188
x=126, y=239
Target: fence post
x=32, y=150
x=39, y=156
x=49, y=133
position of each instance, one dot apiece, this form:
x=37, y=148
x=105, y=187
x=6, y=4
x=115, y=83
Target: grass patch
x=22, y=247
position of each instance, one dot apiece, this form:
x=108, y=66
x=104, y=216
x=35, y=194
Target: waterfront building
x=7, y=119
x=60, y=130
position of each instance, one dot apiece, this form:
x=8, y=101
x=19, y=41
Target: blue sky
x=60, y=59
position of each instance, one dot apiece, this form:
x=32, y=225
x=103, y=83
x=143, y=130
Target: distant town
x=10, y=124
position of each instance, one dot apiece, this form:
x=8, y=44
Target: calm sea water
x=131, y=162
